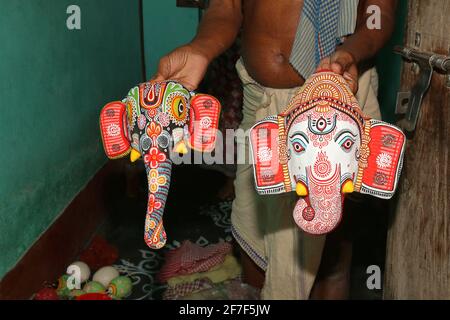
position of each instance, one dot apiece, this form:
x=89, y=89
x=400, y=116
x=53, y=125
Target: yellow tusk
x=301, y=189
x=135, y=155
x=181, y=148
x=347, y=187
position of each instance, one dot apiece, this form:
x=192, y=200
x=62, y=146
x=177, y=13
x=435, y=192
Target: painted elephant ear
x=268, y=170
x=381, y=159
x=114, y=131
x=204, y=115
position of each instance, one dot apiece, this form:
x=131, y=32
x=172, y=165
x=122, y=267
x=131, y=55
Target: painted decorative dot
x=308, y=213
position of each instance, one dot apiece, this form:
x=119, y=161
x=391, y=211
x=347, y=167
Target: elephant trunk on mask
x=158, y=186
x=319, y=209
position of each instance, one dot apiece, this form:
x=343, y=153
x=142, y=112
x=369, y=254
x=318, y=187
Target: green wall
x=166, y=27
x=53, y=83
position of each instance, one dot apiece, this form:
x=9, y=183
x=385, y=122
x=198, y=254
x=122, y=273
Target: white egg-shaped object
x=105, y=275
x=81, y=268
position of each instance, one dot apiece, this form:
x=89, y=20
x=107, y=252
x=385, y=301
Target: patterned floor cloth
x=143, y=266
x=191, y=258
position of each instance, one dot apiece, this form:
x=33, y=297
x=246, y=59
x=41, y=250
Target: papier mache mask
x=155, y=119
x=323, y=147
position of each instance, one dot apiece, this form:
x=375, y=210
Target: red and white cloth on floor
x=191, y=258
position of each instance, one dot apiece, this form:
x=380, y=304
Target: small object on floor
x=99, y=254
x=63, y=291
x=120, y=287
x=237, y=290
x=183, y=289
x=191, y=258
x=105, y=275
x=228, y=290
x=94, y=296
x=46, y=294
x=76, y=293
x=85, y=271
x=229, y=269
x=94, y=287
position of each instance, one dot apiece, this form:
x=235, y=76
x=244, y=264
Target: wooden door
x=418, y=245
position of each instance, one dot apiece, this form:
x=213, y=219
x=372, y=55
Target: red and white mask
x=323, y=147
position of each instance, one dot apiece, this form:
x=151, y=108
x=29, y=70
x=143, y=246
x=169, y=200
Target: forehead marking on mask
x=151, y=94
x=354, y=113
x=322, y=126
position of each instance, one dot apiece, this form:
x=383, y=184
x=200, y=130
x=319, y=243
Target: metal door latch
x=409, y=103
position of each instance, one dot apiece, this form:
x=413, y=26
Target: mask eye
x=299, y=142
x=347, y=144
x=298, y=147
x=179, y=109
x=321, y=124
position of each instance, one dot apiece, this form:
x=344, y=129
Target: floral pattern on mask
x=153, y=119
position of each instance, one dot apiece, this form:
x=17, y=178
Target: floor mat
x=144, y=264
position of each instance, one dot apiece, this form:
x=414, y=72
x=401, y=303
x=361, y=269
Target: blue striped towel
x=322, y=25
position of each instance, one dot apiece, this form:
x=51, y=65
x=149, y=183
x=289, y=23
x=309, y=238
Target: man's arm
x=219, y=27
x=364, y=44
x=217, y=31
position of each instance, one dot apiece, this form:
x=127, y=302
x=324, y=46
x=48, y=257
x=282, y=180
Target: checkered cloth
x=183, y=289
x=322, y=25
x=191, y=258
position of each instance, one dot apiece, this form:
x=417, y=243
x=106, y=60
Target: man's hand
x=217, y=31
x=185, y=64
x=343, y=63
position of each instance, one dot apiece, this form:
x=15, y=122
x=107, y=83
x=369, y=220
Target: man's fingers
x=341, y=62
x=182, y=65
x=188, y=85
x=325, y=64
x=352, y=81
x=157, y=77
x=340, y=65
x=164, y=69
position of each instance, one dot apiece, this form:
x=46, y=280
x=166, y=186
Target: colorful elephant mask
x=156, y=119
x=323, y=147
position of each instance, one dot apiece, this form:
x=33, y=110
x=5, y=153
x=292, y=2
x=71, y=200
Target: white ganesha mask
x=323, y=147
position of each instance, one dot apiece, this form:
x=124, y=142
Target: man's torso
x=269, y=29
